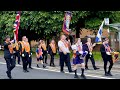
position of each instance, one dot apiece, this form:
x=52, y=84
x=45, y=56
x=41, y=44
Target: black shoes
x=44, y=66
x=76, y=76
x=30, y=67
x=53, y=65
x=19, y=63
x=38, y=66
x=46, y=63
x=96, y=68
x=62, y=71
x=87, y=68
x=71, y=71
x=108, y=74
x=83, y=76
x=25, y=71
x=9, y=75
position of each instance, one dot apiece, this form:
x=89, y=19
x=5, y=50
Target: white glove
x=23, y=55
x=90, y=53
x=81, y=52
x=29, y=55
x=86, y=52
x=108, y=53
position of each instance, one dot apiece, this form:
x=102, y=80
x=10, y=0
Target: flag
x=66, y=22
x=99, y=34
x=16, y=26
x=106, y=21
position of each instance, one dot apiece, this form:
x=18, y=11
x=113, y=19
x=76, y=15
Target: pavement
x=54, y=72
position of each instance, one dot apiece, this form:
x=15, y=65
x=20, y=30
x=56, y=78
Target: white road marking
x=67, y=72
x=116, y=72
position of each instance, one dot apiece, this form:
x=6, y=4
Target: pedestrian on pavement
x=78, y=57
x=25, y=53
x=106, y=50
x=39, y=55
x=88, y=46
x=64, y=54
x=44, y=49
x=52, y=51
x=9, y=56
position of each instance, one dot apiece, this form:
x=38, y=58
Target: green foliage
x=49, y=23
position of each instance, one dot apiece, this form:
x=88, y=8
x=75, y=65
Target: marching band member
x=17, y=52
x=105, y=52
x=78, y=57
x=25, y=53
x=89, y=47
x=39, y=56
x=9, y=56
x=30, y=55
x=44, y=49
x=52, y=52
x=64, y=53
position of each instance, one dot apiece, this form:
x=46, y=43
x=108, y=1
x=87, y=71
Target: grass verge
x=97, y=55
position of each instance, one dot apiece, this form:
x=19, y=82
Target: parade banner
x=66, y=23
x=16, y=26
x=99, y=34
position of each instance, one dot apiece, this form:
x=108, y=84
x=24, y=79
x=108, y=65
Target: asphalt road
x=53, y=72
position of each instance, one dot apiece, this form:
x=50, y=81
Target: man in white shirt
x=64, y=53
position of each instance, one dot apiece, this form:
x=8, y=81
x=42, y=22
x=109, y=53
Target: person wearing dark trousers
x=30, y=56
x=52, y=52
x=30, y=61
x=17, y=52
x=64, y=54
x=25, y=53
x=89, y=47
x=44, y=49
x=107, y=57
x=9, y=56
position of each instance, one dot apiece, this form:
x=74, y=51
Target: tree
x=46, y=24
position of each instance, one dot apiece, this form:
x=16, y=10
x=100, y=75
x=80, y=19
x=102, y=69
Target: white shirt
x=75, y=47
x=61, y=44
x=80, y=45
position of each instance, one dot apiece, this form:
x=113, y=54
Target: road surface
x=53, y=72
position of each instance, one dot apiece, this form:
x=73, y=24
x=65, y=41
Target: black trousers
x=106, y=59
x=30, y=61
x=17, y=54
x=10, y=62
x=25, y=61
x=65, y=59
x=45, y=57
x=92, y=60
x=52, y=59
